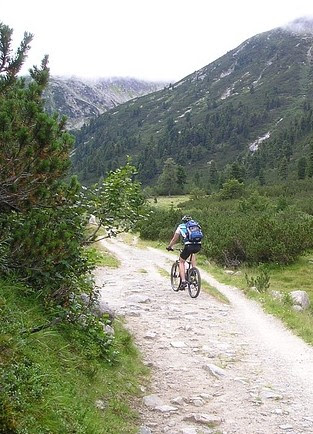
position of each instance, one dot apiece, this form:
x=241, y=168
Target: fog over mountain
x=301, y=25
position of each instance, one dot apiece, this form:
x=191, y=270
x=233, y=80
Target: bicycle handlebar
x=170, y=249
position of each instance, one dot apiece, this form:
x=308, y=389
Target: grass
x=164, y=273
x=168, y=201
x=100, y=256
x=50, y=383
x=132, y=239
x=214, y=292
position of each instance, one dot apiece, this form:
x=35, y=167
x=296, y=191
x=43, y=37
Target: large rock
x=300, y=300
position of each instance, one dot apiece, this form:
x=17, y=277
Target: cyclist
x=190, y=248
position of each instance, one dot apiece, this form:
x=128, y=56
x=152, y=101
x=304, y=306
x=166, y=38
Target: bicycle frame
x=192, y=277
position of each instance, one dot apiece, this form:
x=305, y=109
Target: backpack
x=194, y=232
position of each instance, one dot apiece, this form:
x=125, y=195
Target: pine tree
x=283, y=169
x=237, y=172
x=197, y=179
x=310, y=162
x=167, y=183
x=302, y=164
x=261, y=177
x=181, y=177
x=34, y=147
x=213, y=173
x=42, y=217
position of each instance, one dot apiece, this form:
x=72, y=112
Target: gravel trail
x=215, y=368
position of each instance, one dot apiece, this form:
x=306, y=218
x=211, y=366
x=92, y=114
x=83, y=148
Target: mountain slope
x=81, y=99
x=221, y=112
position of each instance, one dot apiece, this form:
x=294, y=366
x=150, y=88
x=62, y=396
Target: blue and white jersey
x=182, y=231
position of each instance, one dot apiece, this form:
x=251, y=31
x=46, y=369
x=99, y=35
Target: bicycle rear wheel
x=194, y=282
x=175, y=277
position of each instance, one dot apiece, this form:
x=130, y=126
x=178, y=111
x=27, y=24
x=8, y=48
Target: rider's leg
x=193, y=260
x=182, y=271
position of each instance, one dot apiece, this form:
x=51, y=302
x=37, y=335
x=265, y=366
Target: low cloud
x=303, y=25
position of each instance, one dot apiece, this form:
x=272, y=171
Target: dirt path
x=216, y=368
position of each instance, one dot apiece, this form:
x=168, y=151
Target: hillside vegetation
x=249, y=112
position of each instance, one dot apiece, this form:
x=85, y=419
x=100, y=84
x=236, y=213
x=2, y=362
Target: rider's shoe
x=182, y=286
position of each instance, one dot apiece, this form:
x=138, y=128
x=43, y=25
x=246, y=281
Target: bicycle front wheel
x=175, y=277
x=194, y=282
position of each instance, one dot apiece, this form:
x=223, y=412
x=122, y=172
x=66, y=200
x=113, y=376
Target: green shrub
x=256, y=238
x=232, y=189
x=160, y=224
x=261, y=282
x=251, y=230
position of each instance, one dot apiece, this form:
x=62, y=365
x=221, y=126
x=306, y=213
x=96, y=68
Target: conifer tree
x=261, y=177
x=181, y=177
x=213, y=173
x=34, y=147
x=236, y=172
x=283, y=169
x=302, y=164
x=310, y=161
x=167, y=183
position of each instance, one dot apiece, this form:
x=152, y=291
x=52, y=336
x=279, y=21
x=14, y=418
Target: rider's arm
x=174, y=240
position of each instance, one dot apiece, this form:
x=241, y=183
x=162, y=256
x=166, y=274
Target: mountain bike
x=193, y=278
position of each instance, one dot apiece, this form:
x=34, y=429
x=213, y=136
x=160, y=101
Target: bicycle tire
x=175, y=277
x=194, y=282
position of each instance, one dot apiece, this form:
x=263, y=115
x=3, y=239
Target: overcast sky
x=149, y=39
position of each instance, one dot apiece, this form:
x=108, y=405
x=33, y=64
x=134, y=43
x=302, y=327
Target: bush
x=261, y=282
x=255, y=238
x=160, y=224
x=232, y=189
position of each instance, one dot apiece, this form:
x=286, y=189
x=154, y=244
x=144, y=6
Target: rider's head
x=186, y=218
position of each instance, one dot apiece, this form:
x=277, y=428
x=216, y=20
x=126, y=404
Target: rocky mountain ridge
x=82, y=99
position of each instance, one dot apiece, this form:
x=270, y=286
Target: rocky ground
x=215, y=368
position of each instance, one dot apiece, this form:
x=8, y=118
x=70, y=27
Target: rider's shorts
x=189, y=249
